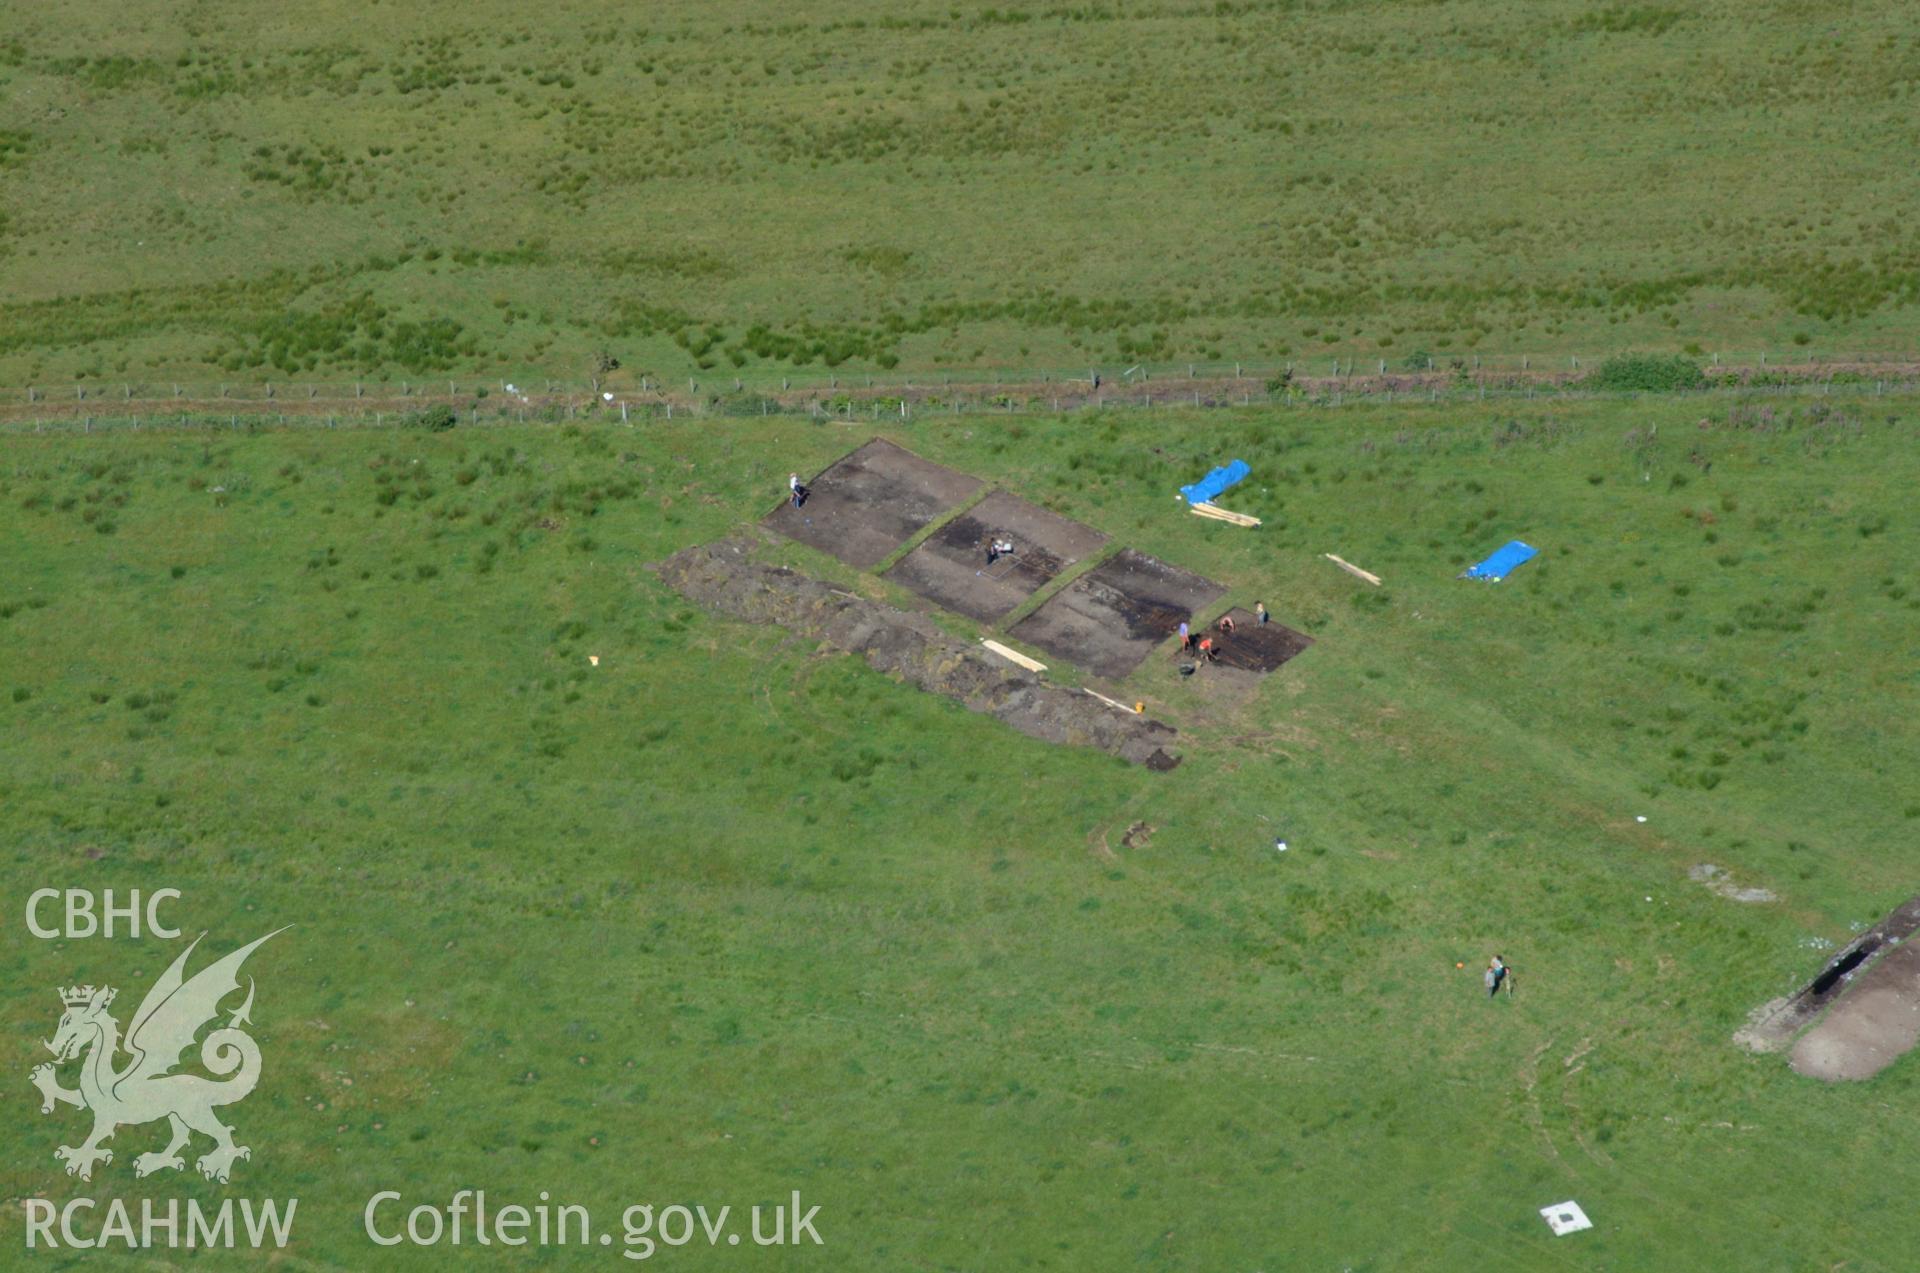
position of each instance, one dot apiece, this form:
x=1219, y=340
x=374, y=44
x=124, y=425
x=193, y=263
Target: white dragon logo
x=146, y=1089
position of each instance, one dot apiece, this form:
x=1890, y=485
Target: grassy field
x=220, y=190
x=721, y=917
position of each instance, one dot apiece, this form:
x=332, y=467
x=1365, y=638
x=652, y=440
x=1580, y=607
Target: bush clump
x=1647, y=373
x=435, y=419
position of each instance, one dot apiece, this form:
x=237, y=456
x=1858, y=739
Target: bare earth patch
x=951, y=566
x=1864, y=1006
x=1875, y=1023
x=1112, y=617
x=724, y=577
x=1721, y=884
x=1257, y=646
x=870, y=502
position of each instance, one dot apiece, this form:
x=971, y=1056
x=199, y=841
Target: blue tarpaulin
x=1497, y=567
x=1203, y=491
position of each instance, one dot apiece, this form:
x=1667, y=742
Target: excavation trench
x=724, y=578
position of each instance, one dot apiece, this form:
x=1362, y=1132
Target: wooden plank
x=1109, y=702
x=1232, y=518
x=1353, y=570
x=1014, y=656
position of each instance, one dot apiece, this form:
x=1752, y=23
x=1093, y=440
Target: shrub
x=437, y=418
x=1647, y=373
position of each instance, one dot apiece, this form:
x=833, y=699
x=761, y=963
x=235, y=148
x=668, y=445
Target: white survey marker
x=1565, y=1217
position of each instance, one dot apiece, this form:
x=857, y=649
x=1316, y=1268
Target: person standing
x=1260, y=611
x=1186, y=637
x=1498, y=975
x=795, y=491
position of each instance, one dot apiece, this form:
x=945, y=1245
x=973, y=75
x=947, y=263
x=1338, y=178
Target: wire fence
x=1373, y=373
x=877, y=405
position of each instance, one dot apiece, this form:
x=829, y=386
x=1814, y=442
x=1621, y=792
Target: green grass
x=386, y=191
x=722, y=917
